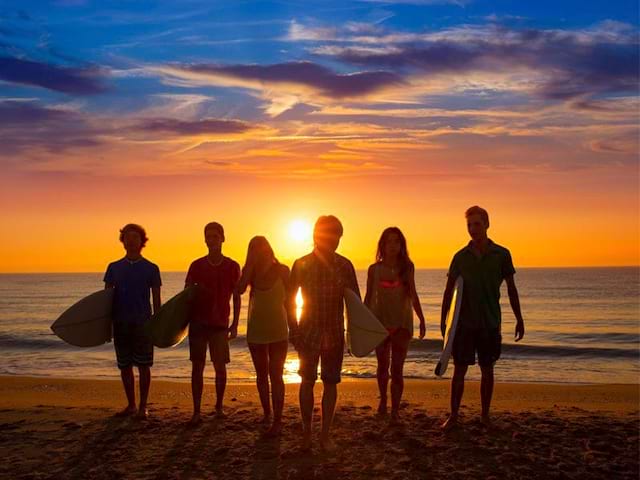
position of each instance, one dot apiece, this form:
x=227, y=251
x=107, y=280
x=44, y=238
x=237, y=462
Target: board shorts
x=330, y=364
x=215, y=339
x=487, y=344
x=133, y=345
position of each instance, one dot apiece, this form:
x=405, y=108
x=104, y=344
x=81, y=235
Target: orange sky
x=67, y=223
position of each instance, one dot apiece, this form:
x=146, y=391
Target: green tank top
x=267, y=317
x=391, y=304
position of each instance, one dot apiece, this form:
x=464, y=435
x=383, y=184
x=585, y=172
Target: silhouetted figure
x=483, y=266
x=391, y=296
x=267, y=330
x=133, y=278
x=322, y=277
x=209, y=327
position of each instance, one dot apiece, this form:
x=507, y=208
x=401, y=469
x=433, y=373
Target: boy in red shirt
x=217, y=276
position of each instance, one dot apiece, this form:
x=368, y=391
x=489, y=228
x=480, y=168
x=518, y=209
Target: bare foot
x=274, y=431
x=327, y=444
x=127, y=412
x=451, y=423
x=382, y=407
x=486, y=421
x=196, y=419
x=266, y=419
x=305, y=446
x=395, y=418
x=143, y=414
x=219, y=413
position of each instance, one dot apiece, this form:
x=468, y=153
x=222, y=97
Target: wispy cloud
x=196, y=127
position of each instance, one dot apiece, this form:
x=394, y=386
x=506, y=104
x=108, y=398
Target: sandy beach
x=61, y=428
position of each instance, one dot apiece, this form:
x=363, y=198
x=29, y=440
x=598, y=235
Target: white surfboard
x=87, y=323
x=364, y=330
x=452, y=325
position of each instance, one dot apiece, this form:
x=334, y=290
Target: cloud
x=196, y=127
x=306, y=74
x=74, y=81
x=561, y=64
x=25, y=125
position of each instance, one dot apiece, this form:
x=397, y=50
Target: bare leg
x=383, y=354
x=221, y=384
x=306, y=410
x=486, y=392
x=329, y=397
x=399, y=354
x=128, y=382
x=457, y=389
x=277, y=358
x=197, y=372
x=260, y=357
x=145, y=383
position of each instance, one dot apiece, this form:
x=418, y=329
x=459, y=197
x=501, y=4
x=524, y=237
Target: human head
x=392, y=242
x=214, y=236
x=133, y=237
x=326, y=233
x=477, y=222
x=260, y=250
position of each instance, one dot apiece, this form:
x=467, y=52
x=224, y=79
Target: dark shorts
x=215, y=339
x=487, y=343
x=330, y=364
x=133, y=345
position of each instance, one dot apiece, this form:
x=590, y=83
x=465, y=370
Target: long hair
x=259, y=247
x=404, y=261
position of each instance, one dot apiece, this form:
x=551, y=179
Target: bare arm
x=514, y=300
x=155, y=294
x=415, y=302
x=292, y=285
x=446, y=302
x=245, y=278
x=370, y=279
x=237, y=303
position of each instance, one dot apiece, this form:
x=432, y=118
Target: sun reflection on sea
x=291, y=366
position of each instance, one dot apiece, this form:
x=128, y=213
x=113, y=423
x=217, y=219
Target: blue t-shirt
x=133, y=282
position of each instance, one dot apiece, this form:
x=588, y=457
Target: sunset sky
x=261, y=114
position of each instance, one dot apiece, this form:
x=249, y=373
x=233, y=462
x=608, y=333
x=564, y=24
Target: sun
x=300, y=231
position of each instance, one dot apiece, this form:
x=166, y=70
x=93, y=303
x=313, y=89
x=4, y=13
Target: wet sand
x=63, y=428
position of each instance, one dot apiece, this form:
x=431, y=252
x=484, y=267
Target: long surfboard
x=87, y=323
x=170, y=325
x=452, y=324
x=364, y=330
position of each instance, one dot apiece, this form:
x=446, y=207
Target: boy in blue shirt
x=133, y=277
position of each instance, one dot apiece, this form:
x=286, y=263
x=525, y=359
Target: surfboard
x=170, y=325
x=450, y=331
x=364, y=330
x=87, y=323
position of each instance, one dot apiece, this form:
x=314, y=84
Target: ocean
x=582, y=326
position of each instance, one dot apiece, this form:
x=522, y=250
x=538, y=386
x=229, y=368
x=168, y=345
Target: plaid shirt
x=321, y=324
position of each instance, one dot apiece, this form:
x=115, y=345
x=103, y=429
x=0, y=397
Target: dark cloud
x=75, y=81
x=28, y=126
x=576, y=66
x=182, y=127
x=307, y=74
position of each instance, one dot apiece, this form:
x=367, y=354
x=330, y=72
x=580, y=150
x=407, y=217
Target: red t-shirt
x=212, y=305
